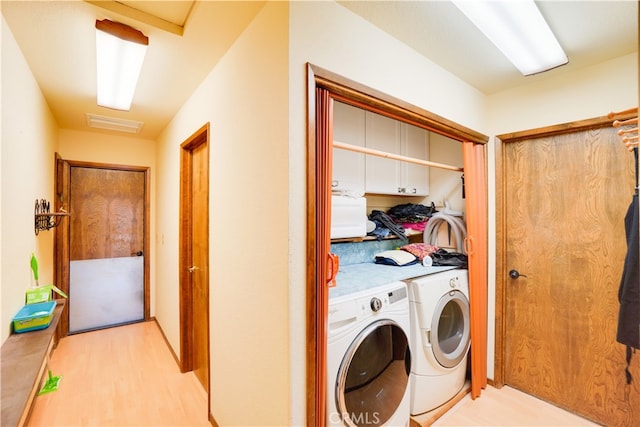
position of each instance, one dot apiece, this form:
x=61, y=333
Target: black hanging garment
x=629, y=291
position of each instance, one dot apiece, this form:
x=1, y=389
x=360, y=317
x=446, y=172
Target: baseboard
x=213, y=421
x=175, y=357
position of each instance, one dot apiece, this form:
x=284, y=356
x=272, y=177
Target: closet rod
x=386, y=155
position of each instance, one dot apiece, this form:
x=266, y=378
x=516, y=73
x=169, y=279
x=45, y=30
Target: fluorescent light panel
x=120, y=52
x=112, y=123
x=518, y=29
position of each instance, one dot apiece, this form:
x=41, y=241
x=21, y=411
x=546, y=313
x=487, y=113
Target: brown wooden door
x=565, y=200
x=194, y=252
x=107, y=247
x=200, y=257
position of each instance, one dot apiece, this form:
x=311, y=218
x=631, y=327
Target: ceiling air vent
x=112, y=123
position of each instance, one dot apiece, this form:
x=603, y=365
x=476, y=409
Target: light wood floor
x=508, y=407
x=126, y=376
x=123, y=376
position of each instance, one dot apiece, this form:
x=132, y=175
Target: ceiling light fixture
x=518, y=29
x=120, y=51
x=112, y=123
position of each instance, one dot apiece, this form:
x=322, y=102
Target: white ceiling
x=57, y=39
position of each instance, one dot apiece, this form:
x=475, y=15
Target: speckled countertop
x=357, y=277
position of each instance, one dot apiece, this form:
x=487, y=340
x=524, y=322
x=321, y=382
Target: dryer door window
x=373, y=376
x=450, y=329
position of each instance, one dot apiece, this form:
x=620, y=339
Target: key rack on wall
x=44, y=219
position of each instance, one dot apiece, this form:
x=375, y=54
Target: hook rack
x=44, y=219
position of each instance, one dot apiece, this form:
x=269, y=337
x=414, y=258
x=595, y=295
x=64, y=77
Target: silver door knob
x=193, y=268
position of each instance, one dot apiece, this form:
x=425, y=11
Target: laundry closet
x=399, y=319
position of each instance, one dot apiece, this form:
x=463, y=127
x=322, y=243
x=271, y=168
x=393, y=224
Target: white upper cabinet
x=387, y=176
x=348, y=166
x=383, y=134
x=414, y=143
x=359, y=173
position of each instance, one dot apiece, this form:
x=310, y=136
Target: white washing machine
x=368, y=358
x=440, y=338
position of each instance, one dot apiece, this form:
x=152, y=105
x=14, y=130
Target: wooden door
x=194, y=254
x=107, y=244
x=565, y=198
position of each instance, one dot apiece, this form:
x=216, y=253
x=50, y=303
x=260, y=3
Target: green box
x=42, y=294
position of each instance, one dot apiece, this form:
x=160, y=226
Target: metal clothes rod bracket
x=378, y=153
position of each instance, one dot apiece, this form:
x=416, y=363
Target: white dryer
x=368, y=358
x=440, y=338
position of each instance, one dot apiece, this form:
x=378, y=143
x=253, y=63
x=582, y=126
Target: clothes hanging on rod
x=628, y=332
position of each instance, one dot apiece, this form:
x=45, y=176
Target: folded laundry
x=421, y=250
x=442, y=257
x=409, y=212
x=395, y=257
x=383, y=220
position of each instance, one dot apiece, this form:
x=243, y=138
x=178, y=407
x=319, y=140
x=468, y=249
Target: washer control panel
x=351, y=308
x=454, y=282
x=376, y=304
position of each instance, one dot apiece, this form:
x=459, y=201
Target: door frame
x=353, y=93
x=501, y=232
x=61, y=245
x=201, y=136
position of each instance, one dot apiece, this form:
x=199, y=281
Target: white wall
x=586, y=93
x=244, y=99
x=29, y=139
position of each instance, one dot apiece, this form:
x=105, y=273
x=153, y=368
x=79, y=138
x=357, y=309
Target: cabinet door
x=382, y=175
x=415, y=144
x=348, y=166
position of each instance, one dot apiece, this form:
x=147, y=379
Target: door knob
x=139, y=253
x=514, y=274
x=193, y=268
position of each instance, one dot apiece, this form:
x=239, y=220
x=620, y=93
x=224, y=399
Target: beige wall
x=29, y=139
x=244, y=99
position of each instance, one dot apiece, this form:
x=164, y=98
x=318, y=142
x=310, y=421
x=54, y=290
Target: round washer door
x=373, y=376
x=450, y=329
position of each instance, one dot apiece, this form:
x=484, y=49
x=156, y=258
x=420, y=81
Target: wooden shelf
x=24, y=360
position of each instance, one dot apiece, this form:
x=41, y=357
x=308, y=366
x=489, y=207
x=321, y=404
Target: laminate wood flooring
x=508, y=407
x=122, y=376
x=127, y=376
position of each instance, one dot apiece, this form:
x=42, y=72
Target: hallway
x=123, y=376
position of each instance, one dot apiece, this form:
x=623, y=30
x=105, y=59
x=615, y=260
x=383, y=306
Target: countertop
x=358, y=277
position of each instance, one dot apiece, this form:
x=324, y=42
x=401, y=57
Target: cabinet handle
x=401, y=190
x=414, y=191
